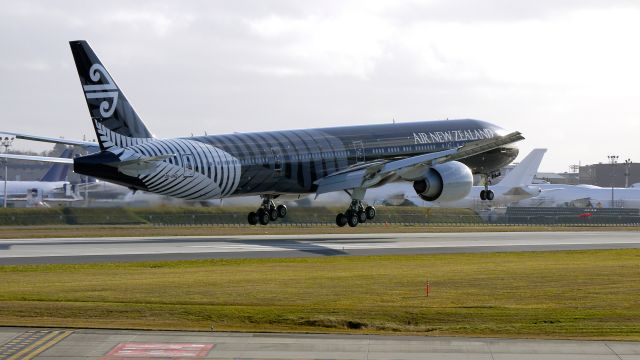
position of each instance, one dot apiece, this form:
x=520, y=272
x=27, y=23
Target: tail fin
x=115, y=121
x=58, y=172
x=524, y=172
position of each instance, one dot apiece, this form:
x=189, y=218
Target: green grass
x=577, y=294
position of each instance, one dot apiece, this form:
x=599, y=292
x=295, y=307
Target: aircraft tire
x=282, y=211
x=263, y=217
x=371, y=212
x=252, y=218
x=273, y=214
x=352, y=218
x=483, y=195
x=362, y=217
x=490, y=195
x=341, y=220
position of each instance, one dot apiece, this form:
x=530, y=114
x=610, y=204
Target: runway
x=45, y=344
x=106, y=249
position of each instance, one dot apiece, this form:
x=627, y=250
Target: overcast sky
x=564, y=73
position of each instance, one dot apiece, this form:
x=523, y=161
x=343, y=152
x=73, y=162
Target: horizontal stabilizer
x=140, y=166
x=88, y=145
x=37, y=158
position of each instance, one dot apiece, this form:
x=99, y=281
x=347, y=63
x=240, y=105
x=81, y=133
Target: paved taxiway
x=76, y=250
x=116, y=344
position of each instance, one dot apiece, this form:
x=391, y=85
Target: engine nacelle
x=450, y=181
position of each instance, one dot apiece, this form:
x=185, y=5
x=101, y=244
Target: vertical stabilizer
x=58, y=172
x=114, y=119
x=524, y=172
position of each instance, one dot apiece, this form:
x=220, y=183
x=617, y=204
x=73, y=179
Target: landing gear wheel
x=273, y=214
x=341, y=220
x=352, y=218
x=282, y=211
x=252, y=218
x=483, y=195
x=489, y=195
x=371, y=212
x=362, y=217
x=263, y=216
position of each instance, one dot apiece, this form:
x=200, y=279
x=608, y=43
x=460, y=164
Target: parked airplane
x=553, y=195
x=516, y=185
x=438, y=157
x=53, y=181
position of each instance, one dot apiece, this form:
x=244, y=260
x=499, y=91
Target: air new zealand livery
x=438, y=157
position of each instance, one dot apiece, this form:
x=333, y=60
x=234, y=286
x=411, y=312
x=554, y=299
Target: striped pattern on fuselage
x=282, y=161
x=197, y=171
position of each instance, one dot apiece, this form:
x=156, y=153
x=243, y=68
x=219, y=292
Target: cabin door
x=358, y=147
x=188, y=165
x=277, y=160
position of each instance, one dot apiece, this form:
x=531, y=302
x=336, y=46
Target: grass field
x=576, y=294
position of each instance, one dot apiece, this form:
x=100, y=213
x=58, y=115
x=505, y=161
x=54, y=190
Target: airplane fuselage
x=285, y=162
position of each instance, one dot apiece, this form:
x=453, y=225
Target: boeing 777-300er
x=438, y=157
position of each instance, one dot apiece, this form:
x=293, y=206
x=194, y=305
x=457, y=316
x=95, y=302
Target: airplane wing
x=37, y=158
x=89, y=145
x=371, y=174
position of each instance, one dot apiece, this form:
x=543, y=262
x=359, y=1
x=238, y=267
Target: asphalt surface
x=106, y=249
x=45, y=344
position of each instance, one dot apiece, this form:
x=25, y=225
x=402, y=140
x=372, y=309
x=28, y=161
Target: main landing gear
x=357, y=212
x=267, y=212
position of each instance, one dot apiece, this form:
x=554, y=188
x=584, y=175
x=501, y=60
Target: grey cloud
x=195, y=66
x=496, y=10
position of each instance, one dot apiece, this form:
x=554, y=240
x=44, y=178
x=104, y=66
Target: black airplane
x=438, y=157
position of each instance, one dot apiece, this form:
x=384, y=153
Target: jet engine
x=450, y=181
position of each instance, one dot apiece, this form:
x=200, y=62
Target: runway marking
x=31, y=343
x=158, y=350
x=327, y=244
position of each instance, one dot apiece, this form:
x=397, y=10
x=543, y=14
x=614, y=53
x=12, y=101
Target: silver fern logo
x=107, y=91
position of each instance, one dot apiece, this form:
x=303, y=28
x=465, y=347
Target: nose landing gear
x=267, y=212
x=487, y=194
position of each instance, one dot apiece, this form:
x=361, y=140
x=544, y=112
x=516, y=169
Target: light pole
x=613, y=159
x=6, y=143
x=627, y=166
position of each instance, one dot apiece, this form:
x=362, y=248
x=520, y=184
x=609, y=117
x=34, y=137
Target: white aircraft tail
x=524, y=172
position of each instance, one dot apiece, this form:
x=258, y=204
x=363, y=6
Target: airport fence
x=316, y=216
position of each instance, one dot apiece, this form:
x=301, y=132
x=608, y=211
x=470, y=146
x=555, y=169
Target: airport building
x=606, y=175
